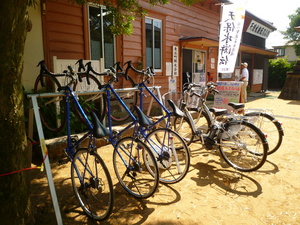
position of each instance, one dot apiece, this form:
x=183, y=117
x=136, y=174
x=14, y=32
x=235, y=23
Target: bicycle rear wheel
x=118, y=113
x=52, y=108
x=243, y=146
x=90, y=102
x=172, y=154
x=92, y=184
x=201, y=120
x=131, y=160
x=270, y=126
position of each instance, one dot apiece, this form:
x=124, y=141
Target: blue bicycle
x=170, y=150
x=90, y=177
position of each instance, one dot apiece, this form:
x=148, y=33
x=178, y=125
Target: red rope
x=30, y=168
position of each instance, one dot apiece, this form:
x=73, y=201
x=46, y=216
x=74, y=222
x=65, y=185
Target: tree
x=14, y=189
x=291, y=34
x=15, y=205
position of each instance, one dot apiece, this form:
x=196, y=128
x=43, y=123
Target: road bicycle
x=90, y=177
x=241, y=144
x=52, y=108
x=169, y=149
x=127, y=92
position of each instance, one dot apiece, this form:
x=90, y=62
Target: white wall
x=33, y=52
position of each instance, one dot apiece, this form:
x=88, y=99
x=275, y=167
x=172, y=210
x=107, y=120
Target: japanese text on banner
x=230, y=37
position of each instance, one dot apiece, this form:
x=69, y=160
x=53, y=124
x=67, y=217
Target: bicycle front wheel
x=92, y=184
x=270, y=126
x=184, y=128
x=51, y=108
x=135, y=167
x=243, y=146
x=172, y=154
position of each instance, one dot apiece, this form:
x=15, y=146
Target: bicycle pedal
x=62, y=162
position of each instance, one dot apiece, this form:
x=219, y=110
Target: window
x=102, y=41
x=154, y=43
x=280, y=51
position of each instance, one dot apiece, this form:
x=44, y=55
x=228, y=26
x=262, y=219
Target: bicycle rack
x=34, y=114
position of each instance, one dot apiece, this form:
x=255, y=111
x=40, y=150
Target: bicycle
x=264, y=120
x=90, y=177
x=170, y=151
x=52, y=109
x=118, y=115
x=261, y=118
x=241, y=144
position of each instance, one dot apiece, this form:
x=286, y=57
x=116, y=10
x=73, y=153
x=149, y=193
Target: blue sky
x=274, y=11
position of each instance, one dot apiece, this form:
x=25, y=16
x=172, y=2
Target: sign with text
x=232, y=23
x=175, y=60
x=258, y=29
x=229, y=91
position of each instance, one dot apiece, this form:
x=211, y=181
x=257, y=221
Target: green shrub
x=277, y=72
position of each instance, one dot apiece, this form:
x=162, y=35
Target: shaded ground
x=211, y=193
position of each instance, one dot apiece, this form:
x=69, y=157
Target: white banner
x=232, y=23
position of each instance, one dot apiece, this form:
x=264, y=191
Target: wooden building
x=174, y=39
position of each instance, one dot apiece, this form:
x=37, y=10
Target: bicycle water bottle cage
x=144, y=121
x=177, y=112
x=99, y=130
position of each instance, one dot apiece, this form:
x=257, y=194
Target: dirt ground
x=211, y=193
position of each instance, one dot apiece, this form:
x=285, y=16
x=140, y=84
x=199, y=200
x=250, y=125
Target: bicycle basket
x=193, y=101
x=174, y=96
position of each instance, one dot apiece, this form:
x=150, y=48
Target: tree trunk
x=15, y=205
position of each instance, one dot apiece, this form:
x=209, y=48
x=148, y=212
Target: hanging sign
x=232, y=23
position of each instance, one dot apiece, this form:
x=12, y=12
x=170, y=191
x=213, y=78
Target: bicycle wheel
x=52, y=108
x=92, y=184
x=130, y=158
x=184, y=128
x=172, y=154
x=270, y=126
x=90, y=102
x=243, y=146
x=118, y=113
x=201, y=120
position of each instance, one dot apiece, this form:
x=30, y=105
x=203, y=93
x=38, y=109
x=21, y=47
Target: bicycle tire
x=95, y=192
x=52, y=109
x=184, y=128
x=118, y=114
x=270, y=126
x=87, y=102
x=171, y=153
x=201, y=120
x=243, y=146
x=130, y=157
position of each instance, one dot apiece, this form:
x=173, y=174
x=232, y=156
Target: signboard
x=229, y=91
x=258, y=29
x=175, y=60
x=257, y=76
x=232, y=23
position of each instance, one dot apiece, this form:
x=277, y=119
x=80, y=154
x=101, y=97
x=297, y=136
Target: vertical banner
x=231, y=29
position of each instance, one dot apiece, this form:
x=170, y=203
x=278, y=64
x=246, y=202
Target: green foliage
x=124, y=12
x=277, y=72
x=291, y=34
